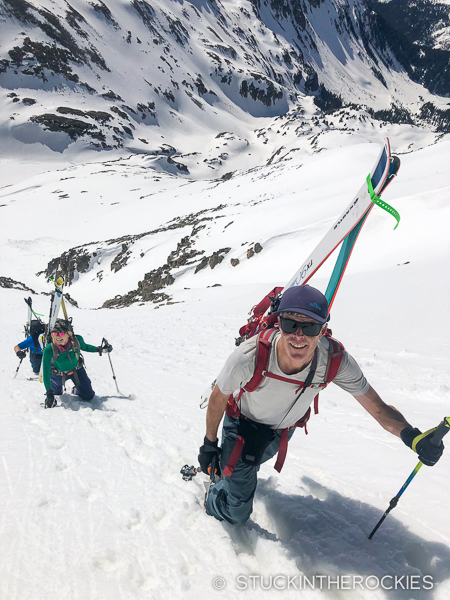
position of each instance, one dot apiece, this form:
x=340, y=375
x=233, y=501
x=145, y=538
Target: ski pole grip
x=442, y=429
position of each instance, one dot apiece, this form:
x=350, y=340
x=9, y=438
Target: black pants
x=84, y=390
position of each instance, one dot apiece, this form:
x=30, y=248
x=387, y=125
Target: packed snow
x=93, y=502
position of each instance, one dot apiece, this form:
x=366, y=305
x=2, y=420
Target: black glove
x=104, y=348
x=428, y=453
x=207, y=452
x=50, y=400
x=21, y=354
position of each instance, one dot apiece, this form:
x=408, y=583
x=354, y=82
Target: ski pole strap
x=379, y=202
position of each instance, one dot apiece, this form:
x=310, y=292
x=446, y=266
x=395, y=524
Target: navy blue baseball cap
x=304, y=300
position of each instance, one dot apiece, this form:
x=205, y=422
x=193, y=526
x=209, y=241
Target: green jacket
x=66, y=361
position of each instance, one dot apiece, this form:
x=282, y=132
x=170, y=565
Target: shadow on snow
x=326, y=533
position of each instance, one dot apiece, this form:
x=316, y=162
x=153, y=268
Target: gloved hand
x=104, y=348
x=50, y=400
x=428, y=453
x=21, y=354
x=207, y=452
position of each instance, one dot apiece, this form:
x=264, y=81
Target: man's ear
x=323, y=331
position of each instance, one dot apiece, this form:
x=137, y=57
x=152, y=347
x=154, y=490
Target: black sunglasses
x=309, y=329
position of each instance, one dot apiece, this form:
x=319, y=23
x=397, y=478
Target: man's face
x=297, y=348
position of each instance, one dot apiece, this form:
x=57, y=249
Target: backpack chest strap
x=300, y=384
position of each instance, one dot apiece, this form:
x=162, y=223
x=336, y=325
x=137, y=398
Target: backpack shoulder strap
x=334, y=359
x=264, y=345
x=36, y=343
x=55, y=353
x=76, y=345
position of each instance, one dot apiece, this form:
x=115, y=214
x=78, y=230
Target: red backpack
x=265, y=328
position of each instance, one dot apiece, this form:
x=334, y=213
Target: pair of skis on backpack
x=345, y=230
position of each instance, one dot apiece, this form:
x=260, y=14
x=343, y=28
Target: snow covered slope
x=93, y=504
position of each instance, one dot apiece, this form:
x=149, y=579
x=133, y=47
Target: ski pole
x=442, y=429
x=17, y=370
x=105, y=342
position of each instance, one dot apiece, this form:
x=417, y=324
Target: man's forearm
x=387, y=416
x=392, y=420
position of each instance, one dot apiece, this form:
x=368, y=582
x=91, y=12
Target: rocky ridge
x=89, y=258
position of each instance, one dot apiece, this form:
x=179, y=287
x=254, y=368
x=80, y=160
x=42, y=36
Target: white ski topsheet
x=29, y=317
x=345, y=223
x=54, y=312
x=56, y=304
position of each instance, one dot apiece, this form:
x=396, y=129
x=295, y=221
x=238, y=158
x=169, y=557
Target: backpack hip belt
x=264, y=347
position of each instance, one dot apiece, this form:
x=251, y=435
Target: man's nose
x=299, y=332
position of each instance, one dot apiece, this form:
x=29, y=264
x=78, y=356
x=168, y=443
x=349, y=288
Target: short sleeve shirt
x=277, y=403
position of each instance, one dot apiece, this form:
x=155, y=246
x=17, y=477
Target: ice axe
x=189, y=472
x=442, y=429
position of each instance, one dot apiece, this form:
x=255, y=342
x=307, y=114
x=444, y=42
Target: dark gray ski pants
x=232, y=498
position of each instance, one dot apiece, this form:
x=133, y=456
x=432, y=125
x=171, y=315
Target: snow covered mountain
x=205, y=86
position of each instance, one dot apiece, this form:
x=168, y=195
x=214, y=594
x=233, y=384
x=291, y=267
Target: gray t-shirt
x=271, y=403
